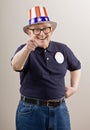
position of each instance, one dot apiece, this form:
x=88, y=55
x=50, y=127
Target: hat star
x=46, y=19
x=39, y=19
x=32, y=21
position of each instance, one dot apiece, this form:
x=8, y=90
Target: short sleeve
x=19, y=48
x=72, y=61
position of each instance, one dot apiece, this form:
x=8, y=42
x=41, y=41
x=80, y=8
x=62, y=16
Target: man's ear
x=28, y=32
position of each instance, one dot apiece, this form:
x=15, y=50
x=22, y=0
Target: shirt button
x=44, y=50
x=47, y=58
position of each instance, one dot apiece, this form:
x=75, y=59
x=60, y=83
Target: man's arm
x=74, y=80
x=20, y=57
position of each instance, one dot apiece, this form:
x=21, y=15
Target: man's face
x=41, y=33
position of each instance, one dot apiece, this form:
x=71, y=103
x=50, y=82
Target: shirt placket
x=47, y=57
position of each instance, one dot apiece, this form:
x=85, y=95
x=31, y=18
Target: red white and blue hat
x=37, y=15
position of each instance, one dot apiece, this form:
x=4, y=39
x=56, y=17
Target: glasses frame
x=42, y=29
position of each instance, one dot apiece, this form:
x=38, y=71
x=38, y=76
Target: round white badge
x=59, y=57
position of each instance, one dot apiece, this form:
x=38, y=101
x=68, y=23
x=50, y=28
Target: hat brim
x=54, y=25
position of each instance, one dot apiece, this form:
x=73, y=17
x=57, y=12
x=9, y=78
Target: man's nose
x=42, y=32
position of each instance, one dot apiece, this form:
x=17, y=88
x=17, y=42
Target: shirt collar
x=50, y=48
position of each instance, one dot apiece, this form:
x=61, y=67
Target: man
x=43, y=64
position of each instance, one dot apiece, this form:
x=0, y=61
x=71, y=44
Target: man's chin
x=42, y=45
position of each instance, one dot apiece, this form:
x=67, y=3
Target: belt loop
x=38, y=102
x=23, y=98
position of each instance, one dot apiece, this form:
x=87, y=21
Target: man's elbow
x=16, y=67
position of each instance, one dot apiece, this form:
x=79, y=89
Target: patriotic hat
x=37, y=15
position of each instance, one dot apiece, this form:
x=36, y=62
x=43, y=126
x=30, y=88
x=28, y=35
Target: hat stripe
x=33, y=13
x=30, y=14
x=42, y=11
x=37, y=10
x=45, y=12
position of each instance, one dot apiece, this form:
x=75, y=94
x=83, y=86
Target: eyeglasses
x=37, y=31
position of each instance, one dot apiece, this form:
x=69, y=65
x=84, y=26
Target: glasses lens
x=47, y=30
x=36, y=31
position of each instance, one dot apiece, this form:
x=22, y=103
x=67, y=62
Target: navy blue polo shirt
x=43, y=75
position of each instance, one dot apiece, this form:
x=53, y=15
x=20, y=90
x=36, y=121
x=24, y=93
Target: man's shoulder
x=59, y=45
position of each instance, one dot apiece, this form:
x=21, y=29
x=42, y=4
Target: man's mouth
x=42, y=38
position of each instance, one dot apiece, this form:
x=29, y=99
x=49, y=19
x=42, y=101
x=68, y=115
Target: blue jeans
x=34, y=117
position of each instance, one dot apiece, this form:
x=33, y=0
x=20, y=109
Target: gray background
x=73, y=18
